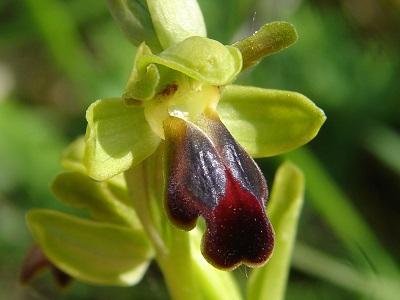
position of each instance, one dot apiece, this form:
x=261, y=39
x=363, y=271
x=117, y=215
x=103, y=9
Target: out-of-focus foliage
x=56, y=57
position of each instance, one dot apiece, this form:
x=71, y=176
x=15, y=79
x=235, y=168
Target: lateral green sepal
x=269, y=122
x=118, y=137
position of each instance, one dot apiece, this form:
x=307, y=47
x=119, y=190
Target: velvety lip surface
x=210, y=175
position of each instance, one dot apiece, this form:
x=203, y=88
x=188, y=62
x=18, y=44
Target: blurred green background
x=56, y=57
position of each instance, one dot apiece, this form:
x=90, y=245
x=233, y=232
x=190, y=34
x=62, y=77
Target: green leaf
x=269, y=282
x=105, y=201
x=175, y=21
x=270, y=38
x=117, y=137
x=134, y=19
x=346, y=275
x=203, y=59
x=269, y=122
x=342, y=216
x=384, y=143
x=89, y=251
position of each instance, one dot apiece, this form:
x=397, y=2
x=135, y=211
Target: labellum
x=209, y=174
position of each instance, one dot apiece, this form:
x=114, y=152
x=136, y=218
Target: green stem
x=177, y=268
x=171, y=244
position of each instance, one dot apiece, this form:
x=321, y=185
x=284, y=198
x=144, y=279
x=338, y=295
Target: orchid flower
x=183, y=136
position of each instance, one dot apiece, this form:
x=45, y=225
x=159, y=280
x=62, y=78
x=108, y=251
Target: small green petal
x=133, y=17
x=92, y=252
x=105, y=201
x=269, y=122
x=117, y=137
x=141, y=85
x=176, y=20
x=203, y=59
x=284, y=206
x=270, y=38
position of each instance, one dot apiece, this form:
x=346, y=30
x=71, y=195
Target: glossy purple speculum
x=210, y=175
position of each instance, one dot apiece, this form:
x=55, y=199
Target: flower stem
x=172, y=245
x=177, y=267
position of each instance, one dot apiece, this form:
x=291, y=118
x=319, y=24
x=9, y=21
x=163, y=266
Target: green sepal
x=105, y=201
x=133, y=18
x=203, y=59
x=269, y=122
x=270, y=38
x=93, y=252
x=118, y=137
x=176, y=20
x=284, y=206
